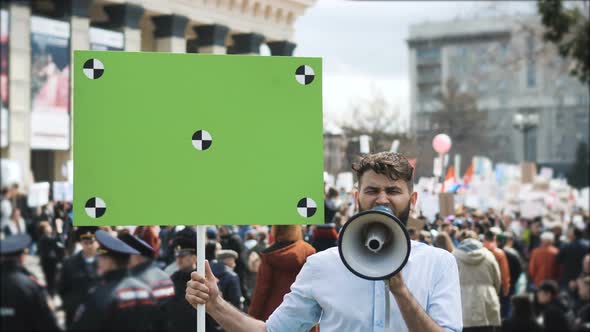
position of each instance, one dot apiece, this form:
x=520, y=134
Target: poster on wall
x=50, y=84
x=106, y=40
x=4, y=78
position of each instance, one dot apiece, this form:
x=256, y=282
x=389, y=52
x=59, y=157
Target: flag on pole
x=449, y=182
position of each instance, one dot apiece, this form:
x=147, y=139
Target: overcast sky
x=363, y=44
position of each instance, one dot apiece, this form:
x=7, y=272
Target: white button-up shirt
x=326, y=289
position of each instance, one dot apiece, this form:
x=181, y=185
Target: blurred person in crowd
x=5, y=207
x=504, y=242
x=228, y=257
x=79, y=273
x=232, y=241
x=413, y=234
x=16, y=224
x=228, y=280
x=250, y=239
x=119, y=301
x=550, y=308
x=582, y=305
x=533, y=236
x=19, y=200
x=23, y=300
x=425, y=237
x=430, y=300
x=324, y=237
x=181, y=316
x=144, y=268
x=543, y=265
x=151, y=235
x=281, y=262
x=443, y=241
x=331, y=205
x=570, y=258
x=490, y=244
x=522, y=318
x=479, y=276
x=51, y=253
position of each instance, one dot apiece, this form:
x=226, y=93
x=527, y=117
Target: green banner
x=195, y=139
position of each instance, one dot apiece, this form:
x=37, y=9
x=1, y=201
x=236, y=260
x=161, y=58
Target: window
x=531, y=73
x=428, y=53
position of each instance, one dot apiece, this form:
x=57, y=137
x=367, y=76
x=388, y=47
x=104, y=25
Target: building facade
x=39, y=37
x=504, y=65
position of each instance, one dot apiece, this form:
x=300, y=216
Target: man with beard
x=426, y=294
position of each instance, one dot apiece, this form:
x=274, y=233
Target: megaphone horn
x=374, y=244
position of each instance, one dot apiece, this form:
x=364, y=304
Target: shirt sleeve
x=299, y=310
x=444, y=305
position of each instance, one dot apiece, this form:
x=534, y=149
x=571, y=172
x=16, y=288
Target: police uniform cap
x=13, y=245
x=110, y=245
x=138, y=244
x=86, y=232
x=185, y=242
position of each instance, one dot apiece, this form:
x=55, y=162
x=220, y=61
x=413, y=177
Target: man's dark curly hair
x=392, y=164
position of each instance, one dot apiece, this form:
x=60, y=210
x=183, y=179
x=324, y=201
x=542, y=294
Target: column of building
x=169, y=33
x=19, y=81
x=126, y=17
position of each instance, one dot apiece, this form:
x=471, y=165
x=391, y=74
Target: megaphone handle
x=387, y=305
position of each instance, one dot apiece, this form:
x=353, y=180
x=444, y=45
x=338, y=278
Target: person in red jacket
x=281, y=262
x=543, y=263
x=490, y=244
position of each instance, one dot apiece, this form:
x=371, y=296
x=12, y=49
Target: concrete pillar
x=79, y=40
x=211, y=38
x=281, y=48
x=169, y=33
x=19, y=81
x=127, y=17
x=247, y=43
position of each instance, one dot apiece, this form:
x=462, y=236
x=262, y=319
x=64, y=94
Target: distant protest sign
x=38, y=194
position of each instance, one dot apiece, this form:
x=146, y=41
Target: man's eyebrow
x=379, y=187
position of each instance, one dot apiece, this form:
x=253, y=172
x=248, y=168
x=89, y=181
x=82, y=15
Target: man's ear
x=413, y=199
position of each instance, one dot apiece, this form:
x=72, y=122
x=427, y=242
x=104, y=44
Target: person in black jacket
x=570, y=258
x=144, y=268
x=51, y=252
x=79, y=273
x=522, y=318
x=119, y=301
x=181, y=315
x=23, y=299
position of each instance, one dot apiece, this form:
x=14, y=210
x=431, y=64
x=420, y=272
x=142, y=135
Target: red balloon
x=441, y=143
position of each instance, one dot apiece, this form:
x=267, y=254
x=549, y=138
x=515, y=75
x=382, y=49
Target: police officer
x=144, y=268
x=119, y=301
x=79, y=272
x=24, y=304
x=182, y=317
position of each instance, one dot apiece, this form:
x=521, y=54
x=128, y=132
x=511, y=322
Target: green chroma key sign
x=194, y=139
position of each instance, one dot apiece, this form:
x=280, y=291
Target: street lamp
x=524, y=122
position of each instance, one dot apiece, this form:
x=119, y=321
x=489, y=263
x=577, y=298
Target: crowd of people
x=516, y=274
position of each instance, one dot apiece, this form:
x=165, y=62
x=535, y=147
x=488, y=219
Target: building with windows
x=503, y=65
x=39, y=36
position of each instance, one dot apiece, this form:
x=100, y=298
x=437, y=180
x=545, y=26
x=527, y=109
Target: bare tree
x=377, y=118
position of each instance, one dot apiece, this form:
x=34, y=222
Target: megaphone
x=374, y=244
